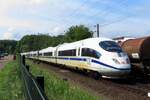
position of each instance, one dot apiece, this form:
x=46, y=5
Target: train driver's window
x=90, y=53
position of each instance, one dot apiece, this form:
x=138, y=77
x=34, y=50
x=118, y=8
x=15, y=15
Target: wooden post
x=23, y=60
x=40, y=81
x=14, y=57
x=27, y=67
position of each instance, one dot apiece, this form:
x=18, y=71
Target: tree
x=76, y=33
x=8, y=46
x=35, y=42
x=40, y=41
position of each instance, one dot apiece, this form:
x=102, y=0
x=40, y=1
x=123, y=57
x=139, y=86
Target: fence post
x=14, y=57
x=27, y=67
x=23, y=60
x=40, y=81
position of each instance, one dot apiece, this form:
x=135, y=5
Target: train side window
x=40, y=54
x=60, y=53
x=67, y=53
x=90, y=53
x=48, y=54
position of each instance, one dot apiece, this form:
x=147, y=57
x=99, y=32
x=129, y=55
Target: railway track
x=139, y=89
x=135, y=89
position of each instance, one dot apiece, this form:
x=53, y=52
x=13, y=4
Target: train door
x=85, y=52
x=56, y=54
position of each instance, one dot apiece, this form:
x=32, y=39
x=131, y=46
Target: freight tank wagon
x=138, y=51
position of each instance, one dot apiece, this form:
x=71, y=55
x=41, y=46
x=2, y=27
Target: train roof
x=89, y=42
x=73, y=45
x=46, y=49
x=90, y=39
x=33, y=52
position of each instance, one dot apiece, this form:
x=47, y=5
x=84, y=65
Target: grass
x=58, y=89
x=11, y=87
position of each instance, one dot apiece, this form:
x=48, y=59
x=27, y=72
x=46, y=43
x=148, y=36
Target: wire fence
x=33, y=87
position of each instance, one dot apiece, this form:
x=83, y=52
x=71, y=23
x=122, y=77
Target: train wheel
x=95, y=75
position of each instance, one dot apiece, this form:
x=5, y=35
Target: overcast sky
x=116, y=17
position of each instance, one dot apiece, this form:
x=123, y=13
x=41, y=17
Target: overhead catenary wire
x=108, y=9
x=75, y=11
x=112, y=22
x=106, y=12
x=116, y=21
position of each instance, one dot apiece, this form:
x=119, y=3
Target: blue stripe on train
x=98, y=62
x=79, y=59
x=94, y=61
x=64, y=58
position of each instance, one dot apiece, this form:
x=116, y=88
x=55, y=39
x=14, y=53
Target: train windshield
x=110, y=46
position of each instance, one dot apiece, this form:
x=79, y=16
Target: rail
x=33, y=87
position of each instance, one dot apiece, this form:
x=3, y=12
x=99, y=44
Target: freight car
x=101, y=56
x=138, y=51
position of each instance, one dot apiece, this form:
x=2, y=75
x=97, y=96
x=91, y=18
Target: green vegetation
x=40, y=41
x=57, y=89
x=11, y=87
x=76, y=33
x=7, y=46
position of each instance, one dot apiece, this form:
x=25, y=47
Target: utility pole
x=97, y=30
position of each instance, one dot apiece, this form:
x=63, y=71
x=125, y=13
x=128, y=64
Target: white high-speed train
x=101, y=56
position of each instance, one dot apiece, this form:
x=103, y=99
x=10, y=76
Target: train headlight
x=116, y=61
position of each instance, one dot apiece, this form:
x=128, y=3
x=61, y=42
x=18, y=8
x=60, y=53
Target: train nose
x=116, y=74
x=119, y=71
